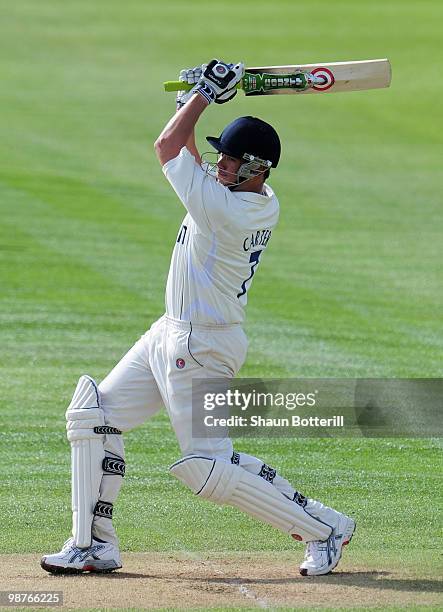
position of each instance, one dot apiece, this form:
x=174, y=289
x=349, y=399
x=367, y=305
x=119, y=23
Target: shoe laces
x=315, y=548
x=68, y=544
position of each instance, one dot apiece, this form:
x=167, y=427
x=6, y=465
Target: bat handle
x=177, y=86
x=180, y=86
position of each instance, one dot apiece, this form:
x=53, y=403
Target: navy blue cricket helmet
x=248, y=135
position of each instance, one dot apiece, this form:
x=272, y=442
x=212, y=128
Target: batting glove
x=219, y=81
x=192, y=77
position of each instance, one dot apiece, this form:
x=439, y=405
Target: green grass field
x=350, y=286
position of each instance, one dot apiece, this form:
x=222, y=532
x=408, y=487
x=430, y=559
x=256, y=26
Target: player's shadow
x=365, y=579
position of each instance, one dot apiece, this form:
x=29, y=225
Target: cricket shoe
x=322, y=556
x=100, y=557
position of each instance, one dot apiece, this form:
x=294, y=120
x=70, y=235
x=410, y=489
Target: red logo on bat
x=221, y=69
x=327, y=77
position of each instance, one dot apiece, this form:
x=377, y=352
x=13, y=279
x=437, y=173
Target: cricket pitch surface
x=231, y=580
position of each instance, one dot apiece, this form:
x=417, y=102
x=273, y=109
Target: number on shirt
x=182, y=234
x=253, y=259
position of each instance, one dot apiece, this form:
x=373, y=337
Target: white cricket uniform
x=217, y=252
x=215, y=257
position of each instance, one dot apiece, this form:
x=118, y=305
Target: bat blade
x=310, y=78
x=329, y=78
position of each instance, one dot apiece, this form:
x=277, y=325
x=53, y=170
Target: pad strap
x=103, y=509
x=113, y=465
x=105, y=429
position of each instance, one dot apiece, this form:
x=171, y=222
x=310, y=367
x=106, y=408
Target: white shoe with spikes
x=100, y=557
x=322, y=556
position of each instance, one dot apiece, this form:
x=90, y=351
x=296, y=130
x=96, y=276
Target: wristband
x=206, y=92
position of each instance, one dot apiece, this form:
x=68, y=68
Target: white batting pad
x=257, y=466
x=193, y=471
x=86, y=394
x=225, y=483
x=87, y=454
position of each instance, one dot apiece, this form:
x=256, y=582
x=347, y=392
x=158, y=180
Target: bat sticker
x=325, y=74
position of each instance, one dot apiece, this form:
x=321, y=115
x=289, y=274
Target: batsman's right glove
x=192, y=77
x=216, y=82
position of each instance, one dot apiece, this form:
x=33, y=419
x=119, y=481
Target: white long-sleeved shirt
x=219, y=244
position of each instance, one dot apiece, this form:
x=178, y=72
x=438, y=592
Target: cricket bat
x=309, y=78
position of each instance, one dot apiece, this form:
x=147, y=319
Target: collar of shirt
x=252, y=196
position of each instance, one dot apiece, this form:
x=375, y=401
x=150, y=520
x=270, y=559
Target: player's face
x=227, y=168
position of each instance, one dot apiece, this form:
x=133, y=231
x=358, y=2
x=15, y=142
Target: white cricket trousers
x=158, y=371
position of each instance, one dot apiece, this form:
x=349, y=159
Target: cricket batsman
x=230, y=216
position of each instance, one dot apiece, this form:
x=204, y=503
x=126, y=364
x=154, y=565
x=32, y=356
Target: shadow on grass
x=366, y=579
